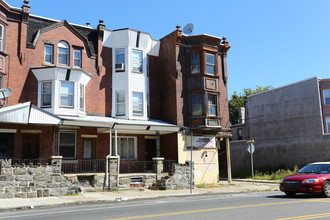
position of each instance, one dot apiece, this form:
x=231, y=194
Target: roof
x=36, y=23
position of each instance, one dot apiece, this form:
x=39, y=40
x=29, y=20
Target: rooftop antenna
x=188, y=29
x=4, y=93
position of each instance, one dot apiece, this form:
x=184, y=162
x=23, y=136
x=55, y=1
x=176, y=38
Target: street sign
x=251, y=148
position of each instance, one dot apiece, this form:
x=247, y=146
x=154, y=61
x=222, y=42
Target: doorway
x=30, y=146
x=6, y=145
x=150, y=149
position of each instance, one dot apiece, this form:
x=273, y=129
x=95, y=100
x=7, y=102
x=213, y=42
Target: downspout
x=116, y=152
x=107, y=173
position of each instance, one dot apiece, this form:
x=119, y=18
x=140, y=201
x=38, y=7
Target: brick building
x=89, y=93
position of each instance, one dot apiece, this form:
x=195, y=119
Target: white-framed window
x=126, y=147
x=67, y=144
x=67, y=94
x=137, y=102
x=2, y=34
x=49, y=53
x=210, y=63
x=63, y=53
x=197, y=108
x=77, y=58
x=326, y=97
x=46, y=94
x=120, y=103
x=120, y=60
x=81, y=97
x=195, y=63
x=137, y=61
x=212, y=105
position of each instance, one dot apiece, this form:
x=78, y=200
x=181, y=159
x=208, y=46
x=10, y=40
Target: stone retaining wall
x=31, y=181
x=180, y=177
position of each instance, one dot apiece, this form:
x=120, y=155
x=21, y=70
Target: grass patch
x=276, y=175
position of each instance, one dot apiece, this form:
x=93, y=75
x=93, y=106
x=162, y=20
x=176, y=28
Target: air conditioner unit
x=120, y=67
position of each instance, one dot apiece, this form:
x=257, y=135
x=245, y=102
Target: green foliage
x=277, y=175
x=238, y=100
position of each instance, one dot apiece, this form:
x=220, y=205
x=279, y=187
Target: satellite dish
x=188, y=29
x=4, y=93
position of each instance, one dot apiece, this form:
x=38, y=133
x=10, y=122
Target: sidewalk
x=117, y=196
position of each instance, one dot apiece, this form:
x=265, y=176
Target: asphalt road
x=256, y=206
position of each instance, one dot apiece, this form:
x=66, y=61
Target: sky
x=273, y=42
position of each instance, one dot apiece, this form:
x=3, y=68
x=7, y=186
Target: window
x=196, y=105
x=212, y=105
x=63, y=53
x=326, y=95
x=194, y=63
x=67, y=94
x=77, y=58
x=67, y=143
x=328, y=125
x=89, y=149
x=120, y=103
x=49, y=53
x=126, y=147
x=137, y=61
x=46, y=94
x=81, y=97
x=210, y=64
x=137, y=103
x=120, y=60
x=1, y=79
x=2, y=34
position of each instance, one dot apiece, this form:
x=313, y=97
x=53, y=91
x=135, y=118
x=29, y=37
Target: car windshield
x=316, y=168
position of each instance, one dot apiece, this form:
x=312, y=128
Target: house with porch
x=95, y=98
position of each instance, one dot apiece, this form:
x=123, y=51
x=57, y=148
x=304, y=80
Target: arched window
x=63, y=53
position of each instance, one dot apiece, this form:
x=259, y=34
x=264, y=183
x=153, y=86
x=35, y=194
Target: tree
x=238, y=100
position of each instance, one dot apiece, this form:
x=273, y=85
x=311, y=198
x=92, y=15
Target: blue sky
x=273, y=42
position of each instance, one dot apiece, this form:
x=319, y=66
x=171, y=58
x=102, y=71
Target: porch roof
x=26, y=113
x=122, y=125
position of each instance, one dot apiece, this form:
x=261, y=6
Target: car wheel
x=290, y=194
x=326, y=188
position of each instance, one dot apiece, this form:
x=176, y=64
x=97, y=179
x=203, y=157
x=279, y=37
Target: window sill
x=70, y=107
x=48, y=64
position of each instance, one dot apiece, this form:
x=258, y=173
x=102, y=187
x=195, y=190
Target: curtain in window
x=126, y=149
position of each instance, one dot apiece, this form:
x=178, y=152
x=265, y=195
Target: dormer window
x=77, y=58
x=49, y=53
x=63, y=53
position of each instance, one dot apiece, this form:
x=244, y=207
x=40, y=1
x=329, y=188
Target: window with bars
x=126, y=147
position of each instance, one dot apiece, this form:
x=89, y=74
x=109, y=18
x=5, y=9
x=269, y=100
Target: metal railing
x=84, y=166
x=98, y=166
x=135, y=166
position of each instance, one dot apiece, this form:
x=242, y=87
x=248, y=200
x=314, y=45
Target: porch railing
x=83, y=166
x=98, y=166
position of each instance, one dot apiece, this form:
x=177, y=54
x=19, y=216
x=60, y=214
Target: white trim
x=4, y=130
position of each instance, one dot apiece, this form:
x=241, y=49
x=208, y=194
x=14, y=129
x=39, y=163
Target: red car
x=312, y=178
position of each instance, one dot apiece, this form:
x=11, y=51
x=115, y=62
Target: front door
x=6, y=145
x=151, y=149
x=30, y=147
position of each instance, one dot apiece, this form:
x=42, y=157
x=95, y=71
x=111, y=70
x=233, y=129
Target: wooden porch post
x=157, y=144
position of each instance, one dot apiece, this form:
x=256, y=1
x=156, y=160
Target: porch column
x=157, y=144
x=228, y=160
x=158, y=167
